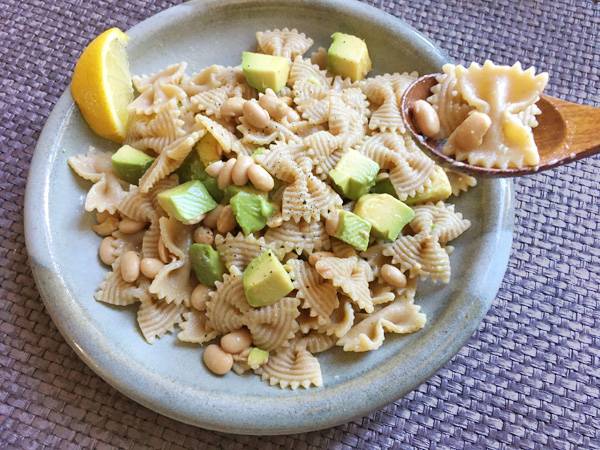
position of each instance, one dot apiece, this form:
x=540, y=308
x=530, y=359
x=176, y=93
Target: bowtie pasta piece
x=157, y=318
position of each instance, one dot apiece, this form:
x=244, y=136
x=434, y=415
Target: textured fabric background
x=530, y=378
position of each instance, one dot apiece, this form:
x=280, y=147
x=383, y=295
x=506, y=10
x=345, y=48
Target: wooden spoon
x=566, y=132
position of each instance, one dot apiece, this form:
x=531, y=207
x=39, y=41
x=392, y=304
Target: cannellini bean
x=107, y=250
x=393, y=276
x=316, y=256
x=224, y=178
x=130, y=266
x=214, y=168
x=426, y=118
x=203, y=235
x=129, y=226
x=239, y=174
x=255, y=115
x=292, y=115
x=236, y=341
x=216, y=360
x=233, y=107
x=163, y=252
x=332, y=223
x=276, y=108
x=260, y=178
x=150, y=267
x=226, y=221
x=469, y=134
x=211, y=218
x=199, y=297
x=107, y=226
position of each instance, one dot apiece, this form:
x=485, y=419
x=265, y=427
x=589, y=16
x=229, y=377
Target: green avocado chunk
x=353, y=230
x=207, y=264
x=233, y=190
x=386, y=214
x=208, y=149
x=130, y=163
x=439, y=189
x=257, y=357
x=251, y=211
x=187, y=202
x=265, y=280
x=384, y=186
x=348, y=56
x=193, y=168
x=354, y=174
x=265, y=71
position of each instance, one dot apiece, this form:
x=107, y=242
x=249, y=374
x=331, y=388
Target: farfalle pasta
x=247, y=228
x=487, y=112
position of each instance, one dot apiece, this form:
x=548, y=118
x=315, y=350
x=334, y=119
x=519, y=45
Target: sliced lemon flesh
x=101, y=84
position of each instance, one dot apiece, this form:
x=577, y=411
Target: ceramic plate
x=169, y=377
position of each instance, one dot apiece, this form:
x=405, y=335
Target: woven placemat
x=530, y=377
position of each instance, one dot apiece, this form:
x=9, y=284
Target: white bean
x=129, y=226
x=224, y=179
x=216, y=360
x=130, y=266
x=393, y=276
x=239, y=174
x=233, y=107
x=203, y=235
x=211, y=218
x=213, y=169
x=107, y=251
x=469, y=134
x=236, y=341
x=150, y=267
x=226, y=221
x=276, y=108
x=199, y=297
x=260, y=178
x=255, y=115
x=426, y=118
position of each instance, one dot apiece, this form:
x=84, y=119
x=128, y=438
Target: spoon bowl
x=565, y=133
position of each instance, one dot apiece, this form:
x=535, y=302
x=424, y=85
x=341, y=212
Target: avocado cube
x=354, y=174
x=348, y=56
x=187, y=202
x=386, y=214
x=207, y=264
x=130, y=163
x=251, y=211
x=353, y=230
x=192, y=168
x=233, y=190
x=384, y=186
x=208, y=149
x=257, y=357
x=265, y=71
x=265, y=280
x=439, y=189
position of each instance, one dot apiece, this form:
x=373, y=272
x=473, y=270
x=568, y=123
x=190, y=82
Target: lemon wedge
x=101, y=84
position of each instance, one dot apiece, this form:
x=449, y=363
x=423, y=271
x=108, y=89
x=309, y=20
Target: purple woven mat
x=530, y=378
